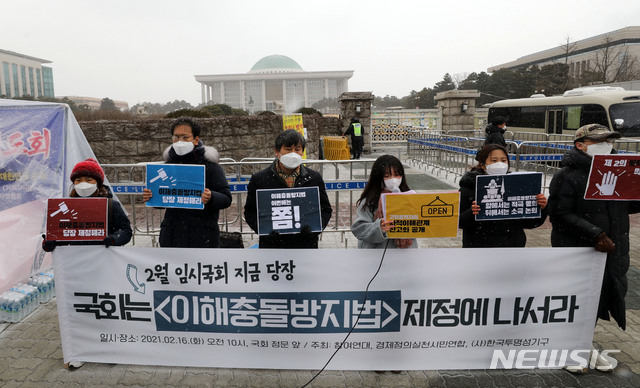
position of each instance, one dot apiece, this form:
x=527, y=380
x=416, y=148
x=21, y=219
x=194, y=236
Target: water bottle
x=3, y=308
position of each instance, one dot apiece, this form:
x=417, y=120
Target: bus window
x=630, y=114
x=594, y=114
x=573, y=117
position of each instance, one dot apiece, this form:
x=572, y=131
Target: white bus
x=610, y=106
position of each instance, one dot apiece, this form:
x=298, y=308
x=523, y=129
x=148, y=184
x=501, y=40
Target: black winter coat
x=269, y=179
x=195, y=228
x=494, y=135
x=490, y=234
x=577, y=222
x=351, y=132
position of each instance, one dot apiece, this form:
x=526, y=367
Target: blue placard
x=176, y=185
x=510, y=196
x=288, y=210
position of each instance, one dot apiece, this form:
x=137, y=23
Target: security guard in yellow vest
x=357, y=137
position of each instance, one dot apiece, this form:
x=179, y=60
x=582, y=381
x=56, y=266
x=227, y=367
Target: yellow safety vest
x=357, y=129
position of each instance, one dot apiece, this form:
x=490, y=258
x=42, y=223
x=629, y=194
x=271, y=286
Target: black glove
x=108, y=241
x=306, y=232
x=604, y=243
x=48, y=245
x=275, y=237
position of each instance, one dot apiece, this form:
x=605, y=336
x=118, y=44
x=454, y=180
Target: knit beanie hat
x=90, y=168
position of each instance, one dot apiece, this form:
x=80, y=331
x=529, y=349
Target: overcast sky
x=139, y=50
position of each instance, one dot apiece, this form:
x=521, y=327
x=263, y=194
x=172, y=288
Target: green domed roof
x=275, y=64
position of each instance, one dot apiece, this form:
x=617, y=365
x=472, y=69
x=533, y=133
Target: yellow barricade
x=336, y=148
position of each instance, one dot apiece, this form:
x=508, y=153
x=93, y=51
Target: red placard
x=77, y=219
x=614, y=177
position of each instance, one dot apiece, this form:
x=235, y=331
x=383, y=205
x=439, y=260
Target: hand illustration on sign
x=608, y=185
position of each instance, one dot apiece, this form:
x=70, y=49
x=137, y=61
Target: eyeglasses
x=182, y=138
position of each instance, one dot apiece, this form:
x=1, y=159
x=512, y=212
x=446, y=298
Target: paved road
x=31, y=353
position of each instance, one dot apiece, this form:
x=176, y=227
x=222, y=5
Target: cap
x=595, y=132
x=90, y=168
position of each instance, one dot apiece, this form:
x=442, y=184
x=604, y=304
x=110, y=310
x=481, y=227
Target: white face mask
x=291, y=160
x=497, y=168
x=603, y=148
x=85, y=189
x=393, y=184
x=183, y=147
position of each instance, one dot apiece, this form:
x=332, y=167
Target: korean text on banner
x=510, y=196
x=614, y=177
x=290, y=309
x=31, y=154
x=77, y=219
x=176, y=185
x=288, y=210
x=422, y=215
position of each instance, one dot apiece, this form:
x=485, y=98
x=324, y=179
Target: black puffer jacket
x=490, y=234
x=577, y=222
x=269, y=179
x=195, y=228
x=494, y=135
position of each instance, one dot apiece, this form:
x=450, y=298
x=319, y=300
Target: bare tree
x=614, y=64
x=568, y=48
x=458, y=78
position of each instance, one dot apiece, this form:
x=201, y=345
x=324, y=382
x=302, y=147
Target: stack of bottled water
x=22, y=299
x=46, y=286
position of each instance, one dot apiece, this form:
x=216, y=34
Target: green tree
x=107, y=104
x=444, y=85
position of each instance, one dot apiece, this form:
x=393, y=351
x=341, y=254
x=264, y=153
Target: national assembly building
x=274, y=83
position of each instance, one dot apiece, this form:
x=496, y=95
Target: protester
x=370, y=227
x=88, y=182
x=356, y=130
x=286, y=171
x=603, y=225
x=495, y=131
x=194, y=228
x=493, y=160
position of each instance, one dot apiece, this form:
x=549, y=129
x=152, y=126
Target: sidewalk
x=31, y=351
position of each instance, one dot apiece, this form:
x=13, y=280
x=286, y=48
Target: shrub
x=187, y=113
x=309, y=111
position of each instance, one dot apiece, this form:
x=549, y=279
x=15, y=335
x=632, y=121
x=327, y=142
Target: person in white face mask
x=370, y=226
x=602, y=225
x=287, y=171
x=88, y=181
x=493, y=160
x=194, y=228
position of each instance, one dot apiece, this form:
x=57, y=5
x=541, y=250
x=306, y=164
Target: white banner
x=291, y=309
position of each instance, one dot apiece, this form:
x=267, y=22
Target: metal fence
x=443, y=154
x=453, y=154
x=344, y=181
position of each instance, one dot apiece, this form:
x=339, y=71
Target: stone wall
x=236, y=137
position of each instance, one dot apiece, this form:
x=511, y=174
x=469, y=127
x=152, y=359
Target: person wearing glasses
x=194, y=228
